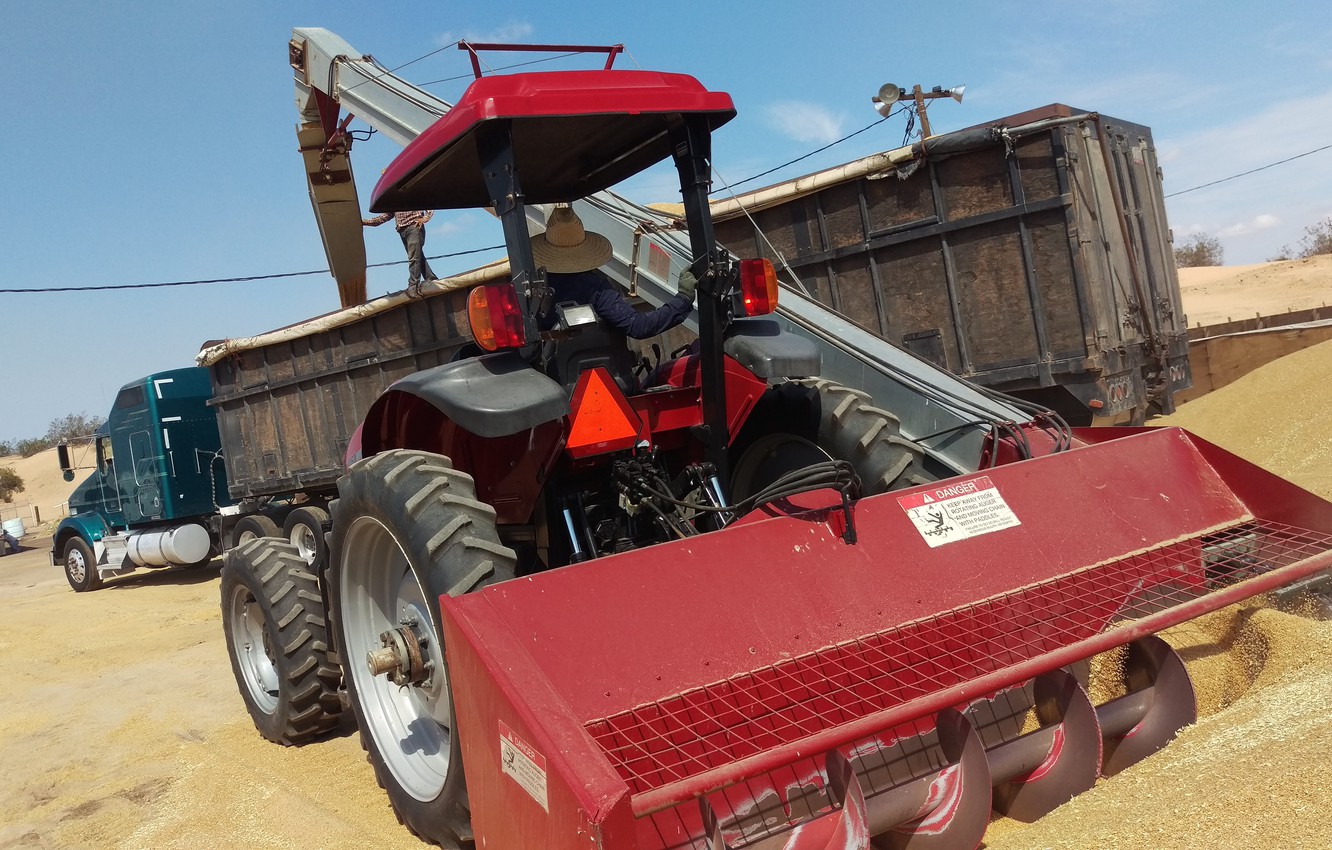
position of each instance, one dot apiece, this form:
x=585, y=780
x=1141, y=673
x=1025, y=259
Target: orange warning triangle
x=603, y=420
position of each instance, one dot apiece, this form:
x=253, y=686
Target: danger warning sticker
x=958, y=511
x=521, y=761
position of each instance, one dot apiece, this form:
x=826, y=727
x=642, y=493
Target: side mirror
x=62, y=455
x=68, y=475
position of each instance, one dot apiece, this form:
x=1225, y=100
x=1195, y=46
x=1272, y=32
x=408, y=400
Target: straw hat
x=566, y=247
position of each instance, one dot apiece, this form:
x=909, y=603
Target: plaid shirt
x=401, y=220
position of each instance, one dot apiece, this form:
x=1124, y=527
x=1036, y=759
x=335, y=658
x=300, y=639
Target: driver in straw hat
x=572, y=257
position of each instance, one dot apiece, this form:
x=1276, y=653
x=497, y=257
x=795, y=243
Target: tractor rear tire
x=798, y=419
x=277, y=638
x=304, y=527
x=81, y=566
x=407, y=529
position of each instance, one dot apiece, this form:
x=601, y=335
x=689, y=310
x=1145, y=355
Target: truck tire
x=277, y=638
x=304, y=527
x=249, y=527
x=407, y=528
x=80, y=566
x=798, y=422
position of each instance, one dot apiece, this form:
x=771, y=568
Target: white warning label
x=958, y=511
x=521, y=761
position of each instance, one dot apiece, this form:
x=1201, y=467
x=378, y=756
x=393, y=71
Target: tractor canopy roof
x=574, y=133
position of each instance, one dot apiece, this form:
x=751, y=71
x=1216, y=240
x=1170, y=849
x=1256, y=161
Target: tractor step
x=772, y=686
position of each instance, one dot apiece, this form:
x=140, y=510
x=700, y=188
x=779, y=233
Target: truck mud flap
x=771, y=685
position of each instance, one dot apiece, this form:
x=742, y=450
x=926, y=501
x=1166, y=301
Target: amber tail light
x=758, y=287
x=495, y=317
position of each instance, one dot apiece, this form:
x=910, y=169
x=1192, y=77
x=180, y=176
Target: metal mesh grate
x=708, y=727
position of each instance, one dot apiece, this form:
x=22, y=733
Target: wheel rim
x=252, y=649
x=77, y=567
x=303, y=538
x=412, y=726
x=769, y=458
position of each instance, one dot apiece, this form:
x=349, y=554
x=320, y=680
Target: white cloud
x=508, y=33
x=1256, y=189
x=447, y=227
x=1265, y=221
x=804, y=122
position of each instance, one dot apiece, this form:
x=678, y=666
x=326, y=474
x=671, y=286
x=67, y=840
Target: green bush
x=73, y=428
x=1198, y=250
x=10, y=483
x=28, y=448
x=1317, y=240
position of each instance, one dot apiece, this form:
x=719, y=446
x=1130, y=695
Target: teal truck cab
x=158, y=495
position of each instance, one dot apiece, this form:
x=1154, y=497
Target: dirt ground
x=1220, y=293
x=121, y=725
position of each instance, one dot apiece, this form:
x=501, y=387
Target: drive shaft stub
x=399, y=657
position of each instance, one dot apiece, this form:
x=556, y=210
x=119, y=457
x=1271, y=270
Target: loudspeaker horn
x=888, y=94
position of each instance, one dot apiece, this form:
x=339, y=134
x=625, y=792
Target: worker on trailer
x=572, y=257
x=411, y=228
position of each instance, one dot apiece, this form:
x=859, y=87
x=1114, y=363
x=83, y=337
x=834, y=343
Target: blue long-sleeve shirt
x=594, y=288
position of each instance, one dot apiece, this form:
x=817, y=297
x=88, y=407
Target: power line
x=469, y=75
x=728, y=187
x=230, y=279
x=1250, y=171
x=808, y=155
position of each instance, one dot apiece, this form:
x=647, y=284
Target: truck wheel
x=800, y=422
x=81, y=566
x=249, y=527
x=305, y=529
x=273, y=619
x=408, y=528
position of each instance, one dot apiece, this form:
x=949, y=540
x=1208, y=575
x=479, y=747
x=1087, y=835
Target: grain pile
x=1252, y=772
x=1276, y=416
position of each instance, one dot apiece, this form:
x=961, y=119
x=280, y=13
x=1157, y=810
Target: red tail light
x=495, y=317
x=758, y=286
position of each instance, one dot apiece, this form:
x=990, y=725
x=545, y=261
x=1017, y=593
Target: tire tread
x=308, y=705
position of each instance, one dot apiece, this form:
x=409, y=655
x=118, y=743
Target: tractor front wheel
x=276, y=635
x=408, y=528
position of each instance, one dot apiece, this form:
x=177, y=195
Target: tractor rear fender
x=762, y=347
x=491, y=396
x=498, y=419
x=496, y=395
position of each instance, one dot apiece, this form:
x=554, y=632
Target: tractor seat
x=594, y=345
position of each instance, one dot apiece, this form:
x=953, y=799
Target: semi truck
x=158, y=495
x=790, y=586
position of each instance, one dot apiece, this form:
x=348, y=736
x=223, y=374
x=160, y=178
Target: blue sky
x=154, y=141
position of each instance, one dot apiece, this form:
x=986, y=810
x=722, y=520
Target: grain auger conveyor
x=774, y=685
x=633, y=618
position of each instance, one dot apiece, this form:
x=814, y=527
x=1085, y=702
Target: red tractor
x=546, y=448
x=579, y=604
